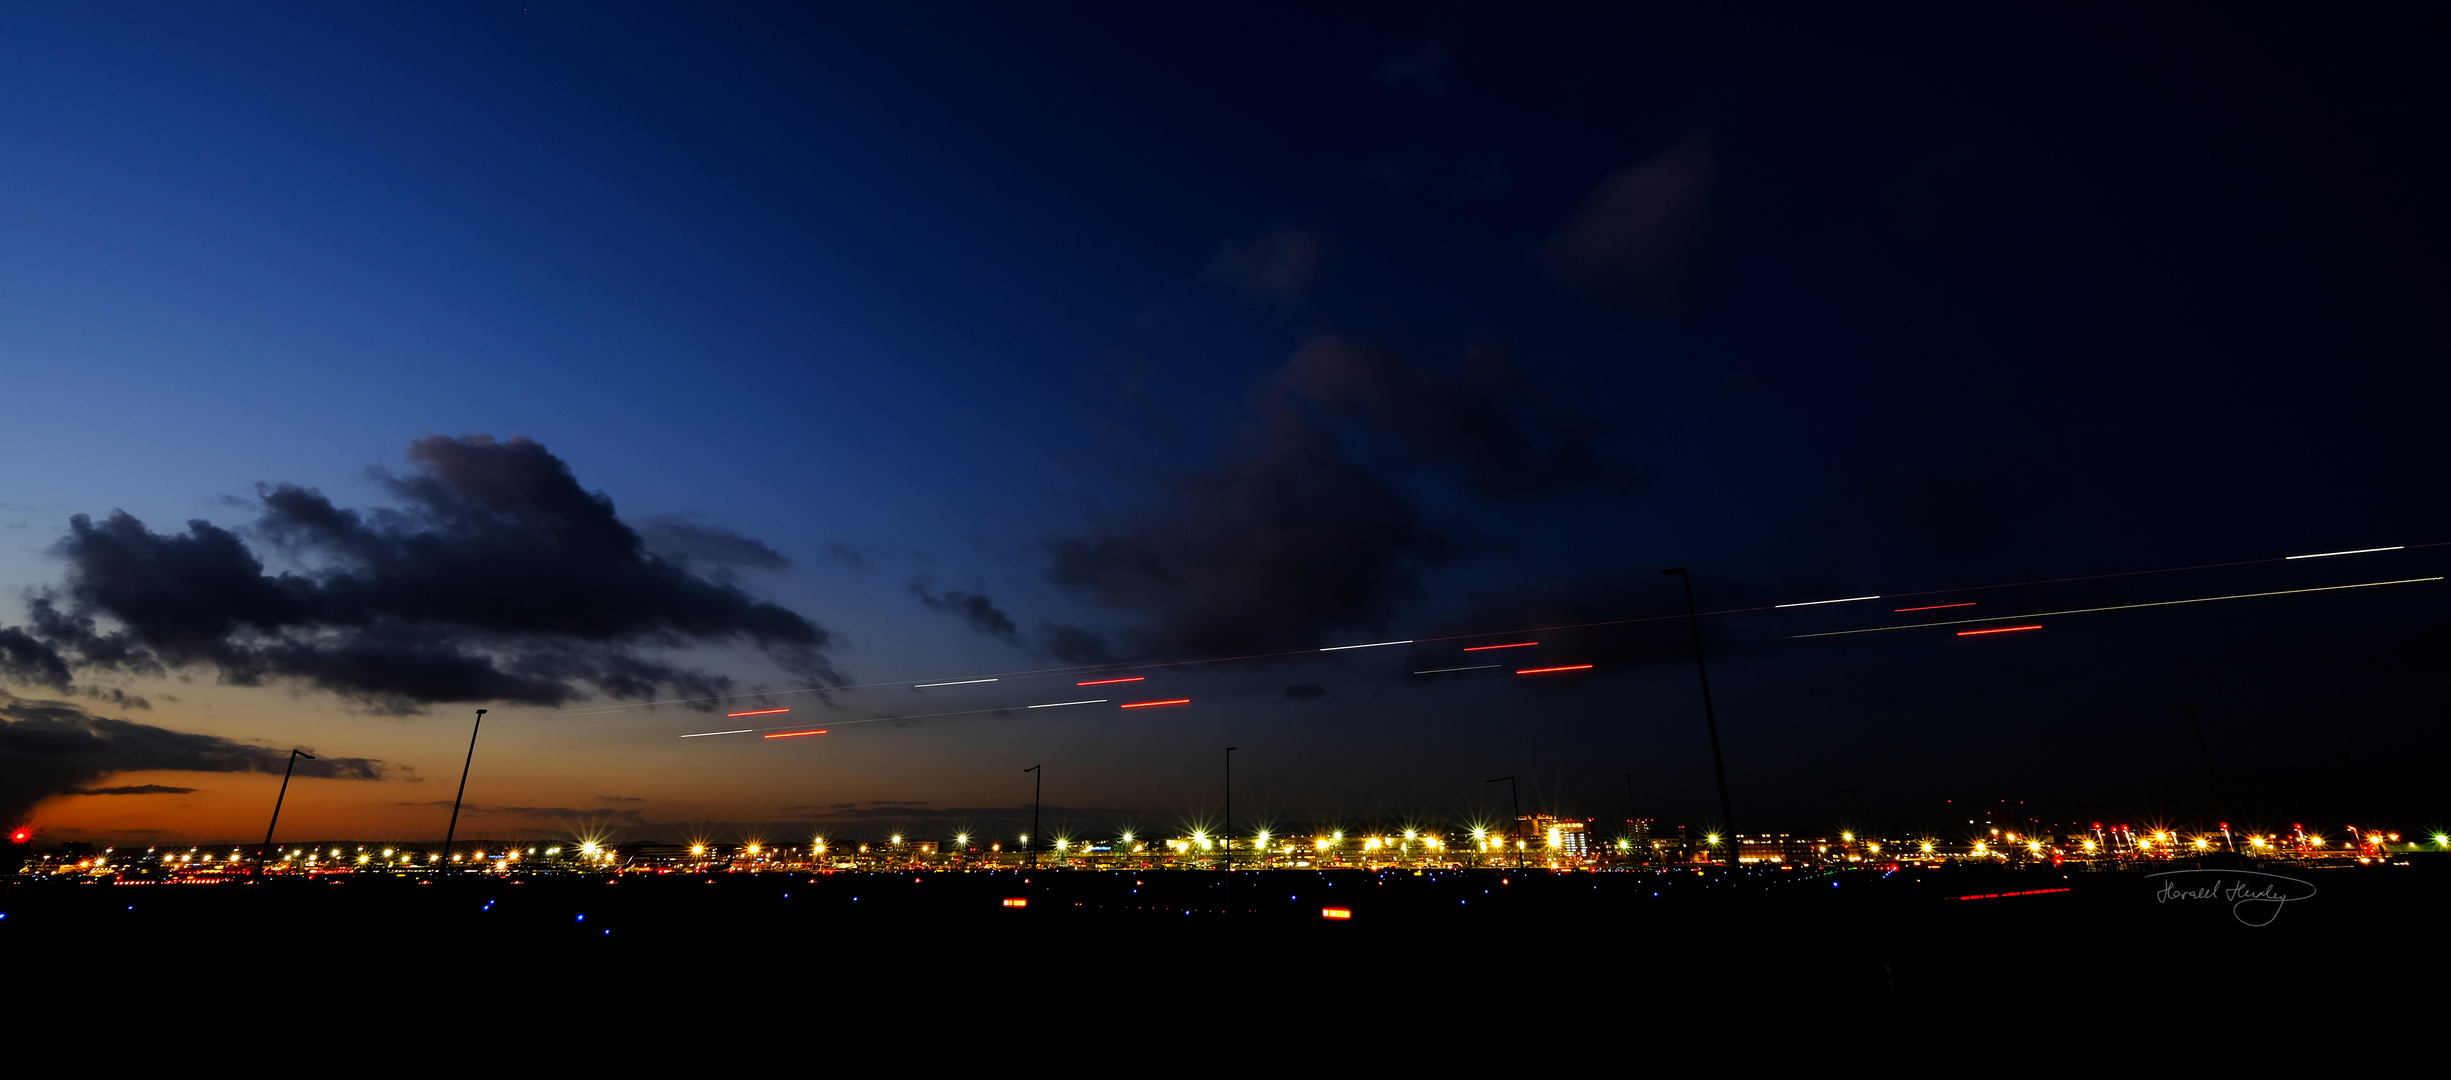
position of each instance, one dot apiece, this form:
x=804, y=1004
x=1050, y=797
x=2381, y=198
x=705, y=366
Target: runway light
x=758, y=712
x=1372, y=645
x=734, y=731
x=1335, y=913
x=2354, y=551
x=1475, y=667
x=1934, y=607
x=1061, y=704
x=1546, y=670
x=1840, y=600
x=1149, y=704
x=956, y=682
x=1016, y=901
x=1104, y=682
x=1998, y=630
x=795, y=734
x=1517, y=645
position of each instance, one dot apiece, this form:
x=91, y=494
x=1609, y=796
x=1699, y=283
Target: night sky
x=371, y=366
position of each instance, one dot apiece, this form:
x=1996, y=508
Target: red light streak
x=1016, y=901
x=1934, y=607
x=1546, y=670
x=1997, y=895
x=1517, y=645
x=1335, y=913
x=1999, y=630
x=1103, y=682
x=758, y=712
x=1146, y=704
x=795, y=734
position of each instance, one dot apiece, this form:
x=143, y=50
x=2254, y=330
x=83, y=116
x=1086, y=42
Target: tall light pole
x=1631, y=815
x=444, y=859
x=1517, y=803
x=1029, y=844
x=294, y=755
x=2219, y=800
x=1228, y=838
x=1693, y=620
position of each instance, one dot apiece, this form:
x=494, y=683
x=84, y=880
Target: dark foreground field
x=1444, y=947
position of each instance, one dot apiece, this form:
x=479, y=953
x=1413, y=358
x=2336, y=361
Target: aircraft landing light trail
x=2122, y=607
x=928, y=716
x=1103, y=682
x=759, y=712
x=1076, y=670
x=1999, y=630
x=1547, y=670
x=1475, y=667
x=2358, y=551
x=1517, y=645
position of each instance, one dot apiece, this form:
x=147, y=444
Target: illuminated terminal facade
x=1538, y=841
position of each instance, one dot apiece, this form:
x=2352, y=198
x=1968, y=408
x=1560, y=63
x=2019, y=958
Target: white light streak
x=734, y=731
x=1436, y=670
x=2359, y=551
x=1372, y=645
x=1061, y=704
x=2123, y=607
x=957, y=682
x=1842, y=600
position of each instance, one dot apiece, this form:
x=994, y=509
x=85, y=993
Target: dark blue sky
x=1023, y=338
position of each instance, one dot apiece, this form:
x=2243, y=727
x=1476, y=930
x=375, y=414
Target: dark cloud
x=25, y=660
x=620, y=798
x=1474, y=417
x=131, y=789
x=975, y=611
x=1968, y=515
x=1278, y=266
x=54, y=748
x=678, y=539
x=1424, y=68
x=1074, y=644
x=1283, y=541
x=1288, y=539
x=1638, y=238
x=853, y=557
x=1305, y=692
x=499, y=578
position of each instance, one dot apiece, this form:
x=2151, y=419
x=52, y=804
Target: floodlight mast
x=294, y=755
x=1038, y=786
x=1516, y=802
x=1710, y=716
x=443, y=860
x=1227, y=840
